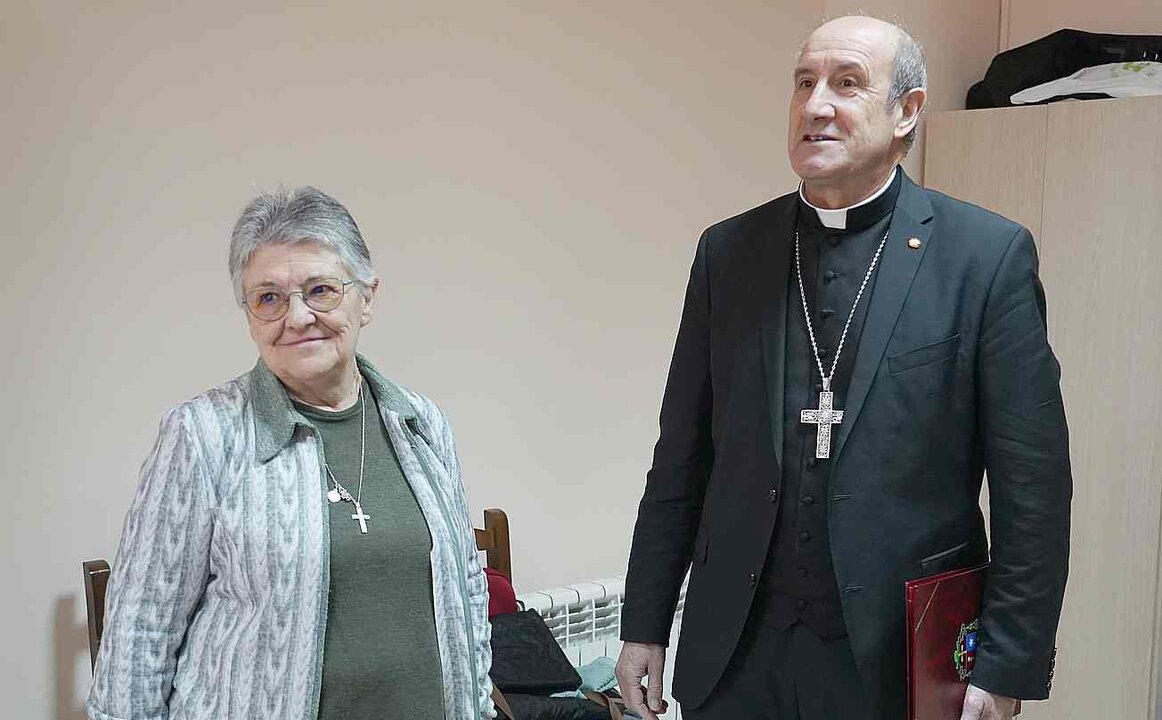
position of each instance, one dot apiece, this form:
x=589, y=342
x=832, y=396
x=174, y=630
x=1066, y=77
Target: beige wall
x=531, y=178
x=1028, y=20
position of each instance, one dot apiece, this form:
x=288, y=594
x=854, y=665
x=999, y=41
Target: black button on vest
x=798, y=583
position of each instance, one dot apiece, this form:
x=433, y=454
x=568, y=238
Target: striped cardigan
x=217, y=604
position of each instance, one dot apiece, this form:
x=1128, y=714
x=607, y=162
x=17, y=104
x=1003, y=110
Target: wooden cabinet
x=1086, y=178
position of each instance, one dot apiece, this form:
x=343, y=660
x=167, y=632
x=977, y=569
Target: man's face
x=840, y=131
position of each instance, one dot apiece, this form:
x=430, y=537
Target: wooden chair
x=492, y=540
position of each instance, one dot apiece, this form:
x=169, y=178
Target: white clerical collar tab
x=833, y=219
x=837, y=219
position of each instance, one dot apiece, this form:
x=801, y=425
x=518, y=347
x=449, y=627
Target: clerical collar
x=862, y=214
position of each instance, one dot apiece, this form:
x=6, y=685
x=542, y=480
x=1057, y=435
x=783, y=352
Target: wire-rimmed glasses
x=320, y=294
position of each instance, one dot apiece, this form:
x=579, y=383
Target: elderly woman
x=299, y=546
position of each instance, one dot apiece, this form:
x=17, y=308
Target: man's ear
x=911, y=107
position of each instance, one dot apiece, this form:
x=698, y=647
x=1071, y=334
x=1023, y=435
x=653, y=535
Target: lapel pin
x=914, y=243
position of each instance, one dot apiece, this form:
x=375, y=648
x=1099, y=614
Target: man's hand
x=639, y=660
x=983, y=705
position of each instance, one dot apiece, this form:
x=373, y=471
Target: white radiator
x=586, y=621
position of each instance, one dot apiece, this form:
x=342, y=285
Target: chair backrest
x=492, y=540
x=96, y=578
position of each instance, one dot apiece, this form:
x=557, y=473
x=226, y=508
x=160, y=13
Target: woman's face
x=305, y=346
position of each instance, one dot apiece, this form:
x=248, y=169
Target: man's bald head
x=843, y=27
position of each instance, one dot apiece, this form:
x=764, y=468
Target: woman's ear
x=368, y=301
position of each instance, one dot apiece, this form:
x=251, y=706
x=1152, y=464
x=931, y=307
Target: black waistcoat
x=798, y=579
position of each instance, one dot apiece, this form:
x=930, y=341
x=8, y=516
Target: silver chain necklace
x=826, y=415
x=338, y=492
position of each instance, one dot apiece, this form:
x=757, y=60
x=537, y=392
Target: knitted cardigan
x=217, y=605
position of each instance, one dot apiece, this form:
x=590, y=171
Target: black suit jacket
x=953, y=376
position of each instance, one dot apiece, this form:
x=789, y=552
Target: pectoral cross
x=362, y=517
x=823, y=417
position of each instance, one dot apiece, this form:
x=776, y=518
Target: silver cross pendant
x=823, y=418
x=361, y=517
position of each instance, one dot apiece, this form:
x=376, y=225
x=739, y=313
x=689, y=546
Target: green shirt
x=380, y=655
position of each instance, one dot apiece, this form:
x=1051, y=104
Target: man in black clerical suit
x=851, y=359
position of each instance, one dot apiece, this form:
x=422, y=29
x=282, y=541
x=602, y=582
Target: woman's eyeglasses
x=320, y=295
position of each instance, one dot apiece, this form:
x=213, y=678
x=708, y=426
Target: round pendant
x=333, y=495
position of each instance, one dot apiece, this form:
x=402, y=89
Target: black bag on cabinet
x=1054, y=57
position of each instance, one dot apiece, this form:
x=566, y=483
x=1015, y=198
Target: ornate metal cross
x=823, y=417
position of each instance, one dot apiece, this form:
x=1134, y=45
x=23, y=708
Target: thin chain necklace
x=826, y=415
x=338, y=492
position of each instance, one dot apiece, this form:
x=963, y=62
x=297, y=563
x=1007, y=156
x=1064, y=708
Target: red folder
x=943, y=630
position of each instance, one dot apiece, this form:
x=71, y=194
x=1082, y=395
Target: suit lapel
x=771, y=289
x=893, y=282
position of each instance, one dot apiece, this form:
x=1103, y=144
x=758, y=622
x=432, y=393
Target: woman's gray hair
x=302, y=214
x=909, y=71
